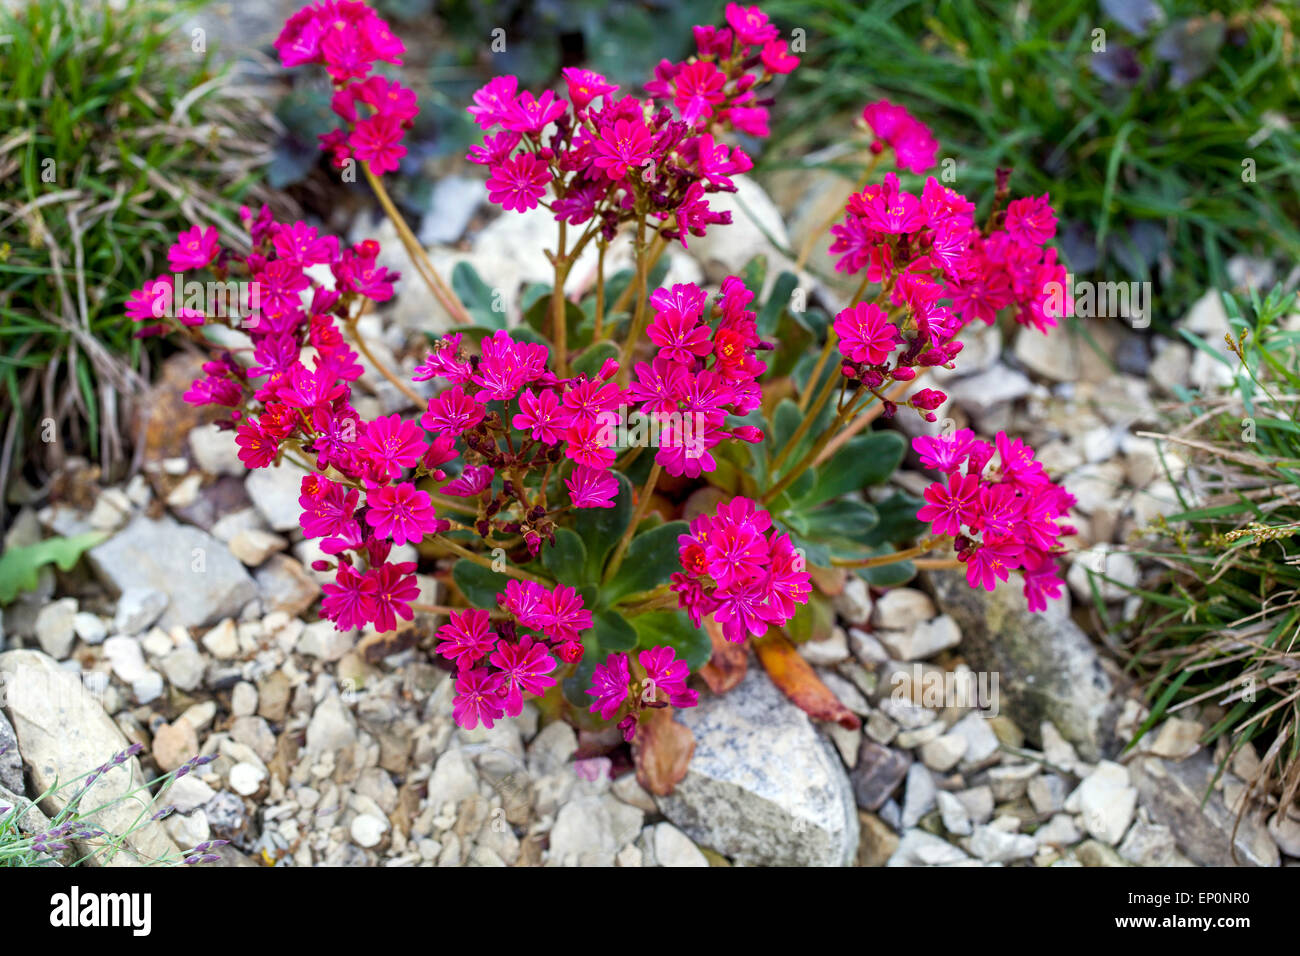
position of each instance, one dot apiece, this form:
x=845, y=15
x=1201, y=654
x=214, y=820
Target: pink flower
x=401, y=512
x=377, y=140
x=665, y=673
x=529, y=114
x=526, y=667
x=681, y=337
x=563, y=614
x=589, y=443
x=526, y=600
x=452, y=411
x=542, y=416
x=194, y=249
x=327, y=507
x=950, y=508
x=350, y=601
x=699, y=88
x=506, y=365
x=592, y=487
x=256, y=448
x=518, y=184
x=394, y=445
x=471, y=482
x=944, y=452
x=1030, y=220
x=480, y=698
x=914, y=146
x=743, y=612
x=585, y=86
x=467, y=637
x=866, y=334
x=777, y=58
x=609, y=685
x=626, y=143
x=992, y=562
x=750, y=23
x=493, y=102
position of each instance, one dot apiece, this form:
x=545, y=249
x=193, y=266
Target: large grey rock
x=63, y=732
x=1172, y=793
x=1047, y=668
x=763, y=787
x=202, y=580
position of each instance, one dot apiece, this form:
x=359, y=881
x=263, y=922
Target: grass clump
x=116, y=132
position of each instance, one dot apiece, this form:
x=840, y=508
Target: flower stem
x=929, y=544
x=383, y=369
x=822, y=398
x=559, y=318
x=484, y=561
x=598, y=334
x=642, y=506
x=865, y=419
x=642, y=295
x=807, y=460
x=441, y=291
x=657, y=248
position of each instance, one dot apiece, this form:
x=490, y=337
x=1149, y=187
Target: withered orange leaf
x=798, y=681
x=662, y=750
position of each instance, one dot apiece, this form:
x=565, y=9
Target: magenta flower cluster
x=348, y=39
x=508, y=428
x=1004, y=518
x=737, y=567
x=612, y=159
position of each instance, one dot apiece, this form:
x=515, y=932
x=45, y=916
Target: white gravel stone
x=924, y=640
x=244, y=778
x=367, y=830
x=943, y=753
x=1107, y=800
x=901, y=609
x=55, y=627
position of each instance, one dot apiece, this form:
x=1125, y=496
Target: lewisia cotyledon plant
x=513, y=453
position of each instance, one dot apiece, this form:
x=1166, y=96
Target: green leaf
x=674, y=629
x=538, y=318
x=812, y=620
x=575, y=687
x=865, y=460
x=590, y=361
x=20, y=567
x=770, y=315
x=480, y=298
x=888, y=575
x=897, y=520
x=567, y=558
x=600, y=528
x=613, y=633
x=650, y=559
x=481, y=585
x=844, y=519
x=785, y=421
